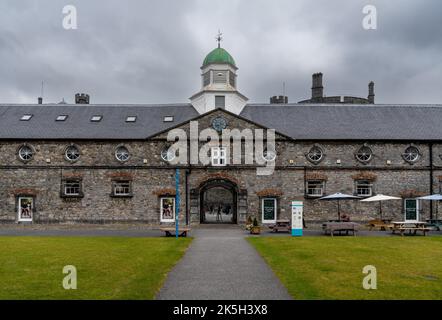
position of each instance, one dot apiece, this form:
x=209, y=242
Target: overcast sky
x=151, y=51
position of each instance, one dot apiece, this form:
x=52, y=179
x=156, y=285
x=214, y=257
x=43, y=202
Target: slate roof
x=78, y=125
x=299, y=121
x=350, y=122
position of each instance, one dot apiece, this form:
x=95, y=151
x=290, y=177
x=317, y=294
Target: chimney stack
x=371, y=92
x=317, y=88
x=40, y=100
x=81, y=98
x=279, y=100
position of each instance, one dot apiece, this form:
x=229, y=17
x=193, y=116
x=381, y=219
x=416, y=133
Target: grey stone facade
x=151, y=178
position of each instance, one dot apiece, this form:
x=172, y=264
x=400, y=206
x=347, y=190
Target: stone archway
x=218, y=201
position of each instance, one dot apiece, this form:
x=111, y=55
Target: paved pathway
x=220, y=264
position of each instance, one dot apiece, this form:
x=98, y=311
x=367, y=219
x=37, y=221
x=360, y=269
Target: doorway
x=25, y=209
x=218, y=202
x=411, y=207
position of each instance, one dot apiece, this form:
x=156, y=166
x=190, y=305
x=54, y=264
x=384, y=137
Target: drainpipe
x=430, y=145
x=187, y=173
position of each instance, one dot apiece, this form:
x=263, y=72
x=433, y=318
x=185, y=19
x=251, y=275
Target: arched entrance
x=218, y=201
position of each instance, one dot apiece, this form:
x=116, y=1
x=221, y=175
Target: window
x=168, y=119
x=232, y=79
x=268, y=210
x=218, y=155
x=206, y=79
x=71, y=188
x=26, y=153
x=167, y=207
x=96, y=118
x=220, y=76
x=411, y=154
x=315, y=188
x=315, y=154
x=72, y=153
x=122, y=154
x=121, y=188
x=220, y=101
x=364, y=154
x=364, y=188
x=131, y=118
x=269, y=155
x=26, y=117
x=167, y=154
x=61, y=117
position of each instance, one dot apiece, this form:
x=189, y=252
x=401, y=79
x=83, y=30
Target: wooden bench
x=403, y=229
x=170, y=232
x=377, y=223
x=332, y=227
x=281, y=225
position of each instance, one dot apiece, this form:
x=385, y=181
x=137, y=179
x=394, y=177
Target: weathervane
x=219, y=38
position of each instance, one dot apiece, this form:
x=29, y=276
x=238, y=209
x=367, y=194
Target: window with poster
x=268, y=210
x=167, y=205
x=25, y=208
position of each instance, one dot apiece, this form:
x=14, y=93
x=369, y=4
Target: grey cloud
x=151, y=51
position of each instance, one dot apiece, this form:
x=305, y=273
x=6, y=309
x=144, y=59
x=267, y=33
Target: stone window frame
x=418, y=156
x=358, y=153
x=116, y=153
x=66, y=180
x=320, y=148
x=363, y=182
x=124, y=195
x=161, y=199
x=321, y=181
x=27, y=145
x=72, y=145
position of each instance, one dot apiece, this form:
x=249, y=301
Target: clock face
x=219, y=123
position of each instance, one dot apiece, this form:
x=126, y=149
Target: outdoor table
x=331, y=227
x=281, y=225
x=437, y=223
x=403, y=226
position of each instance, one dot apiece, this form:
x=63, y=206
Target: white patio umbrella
x=380, y=198
x=433, y=197
x=339, y=196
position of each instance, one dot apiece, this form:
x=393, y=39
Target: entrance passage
x=218, y=203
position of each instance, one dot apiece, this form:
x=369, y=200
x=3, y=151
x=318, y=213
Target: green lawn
x=107, y=268
x=331, y=268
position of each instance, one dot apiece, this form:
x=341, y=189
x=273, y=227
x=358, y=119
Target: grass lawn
x=331, y=268
x=107, y=268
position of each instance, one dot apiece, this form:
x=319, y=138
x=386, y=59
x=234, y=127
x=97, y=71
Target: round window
x=364, y=154
x=167, y=155
x=411, y=154
x=72, y=153
x=269, y=155
x=26, y=153
x=315, y=154
x=122, y=154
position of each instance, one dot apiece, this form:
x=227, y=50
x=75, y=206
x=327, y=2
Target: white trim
x=161, y=209
x=218, y=156
x=262, y=210
x=19, y=218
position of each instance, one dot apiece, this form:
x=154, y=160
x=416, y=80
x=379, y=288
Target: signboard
x=297, y=210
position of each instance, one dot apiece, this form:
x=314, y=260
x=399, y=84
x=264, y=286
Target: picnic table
x=170, y=231
x=382, y=224
x=340, y=226
x=411, y=227
x=281, y=225
x=436, y=223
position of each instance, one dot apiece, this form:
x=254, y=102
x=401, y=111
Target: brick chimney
x=81, y=98
x=371, y=92
x=317, y=88
x=279, y=100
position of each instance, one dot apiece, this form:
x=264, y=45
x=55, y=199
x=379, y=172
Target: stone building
x=87, y=162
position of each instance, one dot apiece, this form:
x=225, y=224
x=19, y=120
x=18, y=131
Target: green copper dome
x=218, y=55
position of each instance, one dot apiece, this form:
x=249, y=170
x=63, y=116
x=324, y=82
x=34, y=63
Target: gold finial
x=219, y=38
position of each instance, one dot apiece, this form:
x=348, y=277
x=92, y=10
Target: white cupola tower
x=218, y=84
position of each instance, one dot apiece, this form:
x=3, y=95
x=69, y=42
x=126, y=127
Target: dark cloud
x=151, y=51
